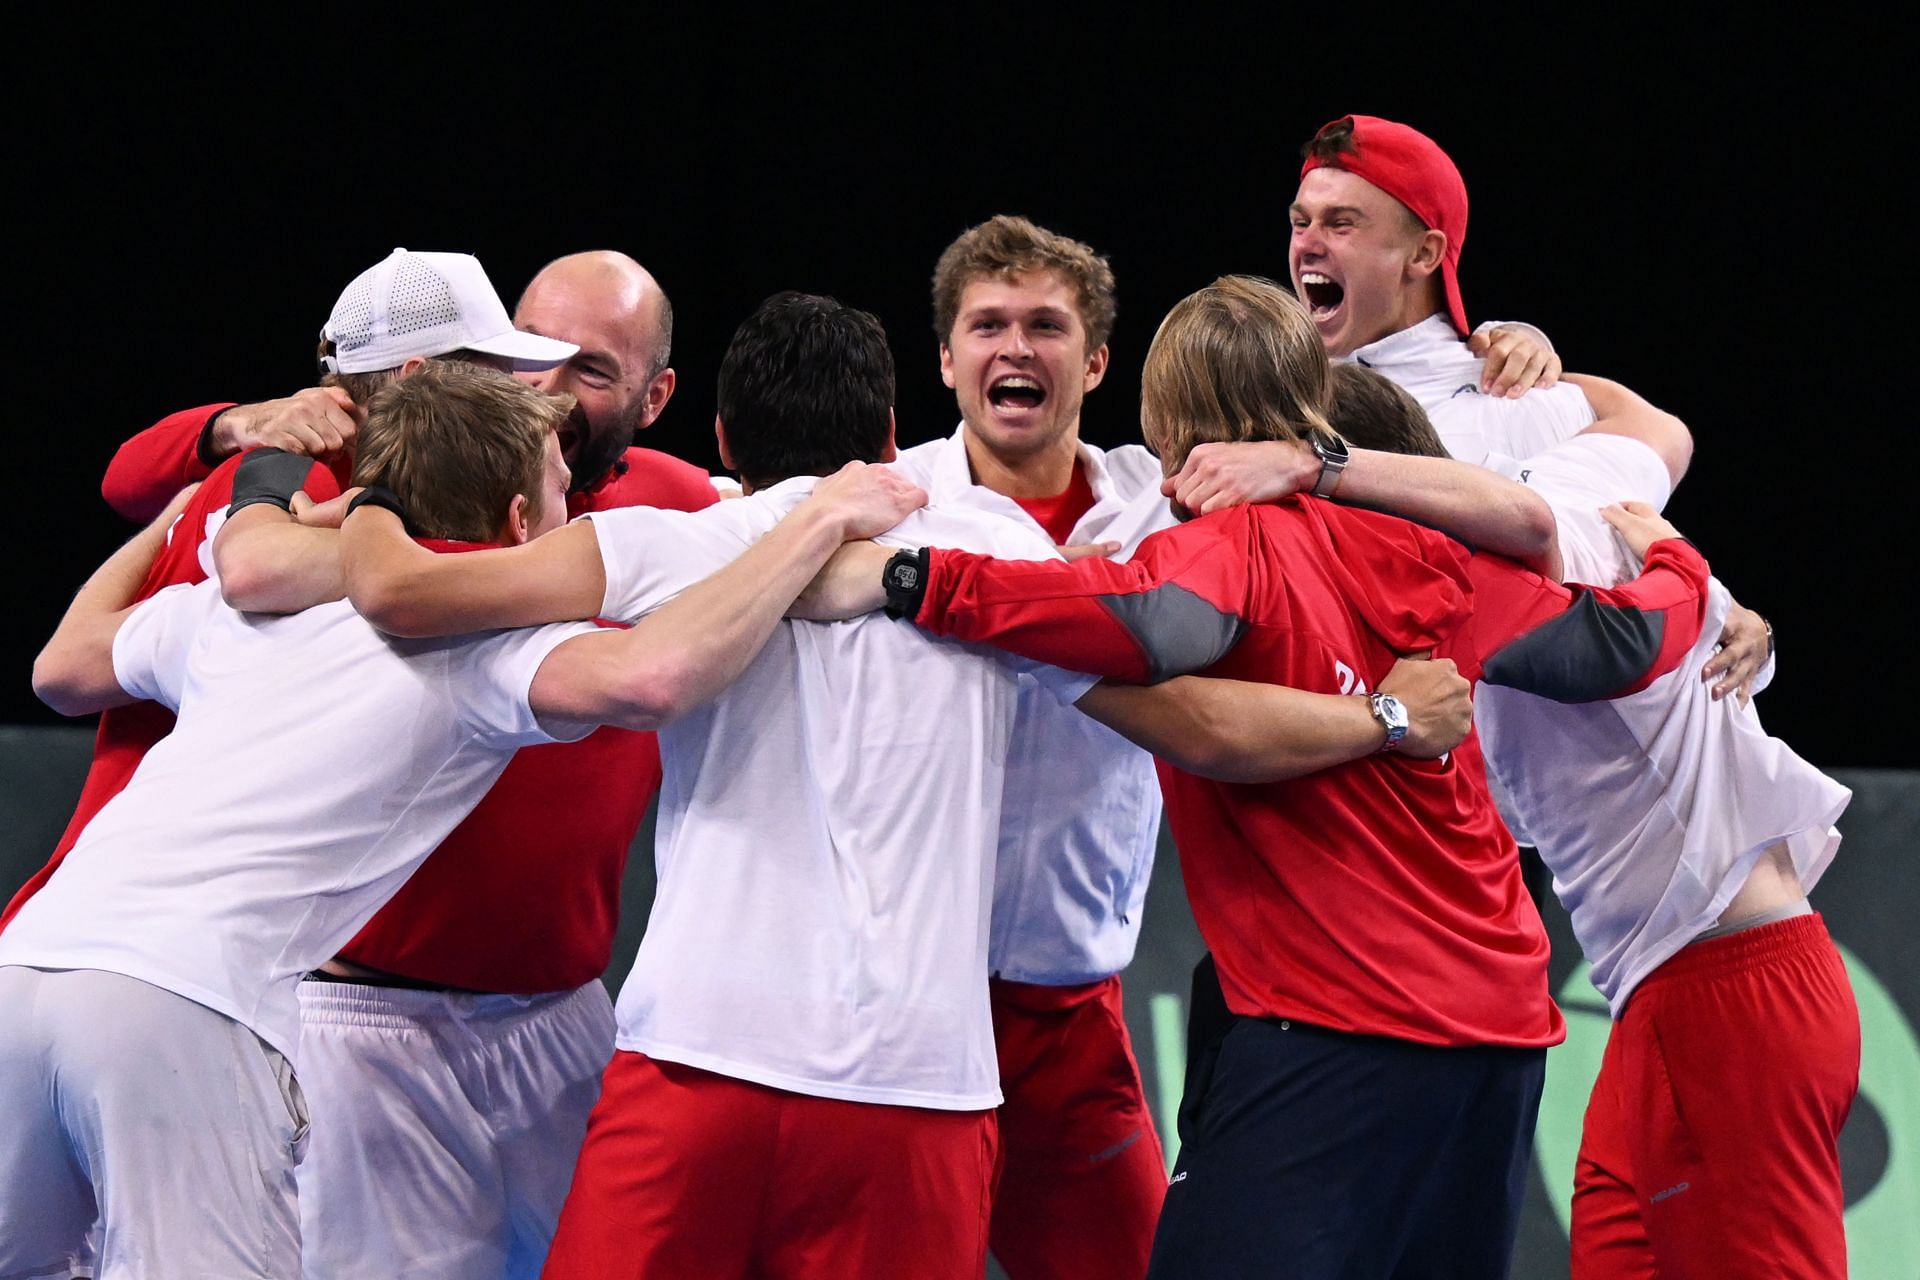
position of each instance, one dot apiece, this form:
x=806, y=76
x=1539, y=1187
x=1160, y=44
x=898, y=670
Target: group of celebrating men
x=310, y=986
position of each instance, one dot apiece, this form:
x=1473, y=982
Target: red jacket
x=1383, y=896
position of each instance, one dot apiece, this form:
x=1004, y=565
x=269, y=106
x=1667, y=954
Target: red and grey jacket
x=1383, y=896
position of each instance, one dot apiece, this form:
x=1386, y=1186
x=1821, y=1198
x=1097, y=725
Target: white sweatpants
x=175, y=1126
x=446, y=1126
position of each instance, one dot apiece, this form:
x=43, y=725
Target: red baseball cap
x=1410, y=167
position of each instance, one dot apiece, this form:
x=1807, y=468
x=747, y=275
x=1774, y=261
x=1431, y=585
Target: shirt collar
x=953, y=475
x=1419, y=345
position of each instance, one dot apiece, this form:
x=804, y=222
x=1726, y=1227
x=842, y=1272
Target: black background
x=1703, y=208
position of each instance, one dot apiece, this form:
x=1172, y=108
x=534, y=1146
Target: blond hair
x=1006, y=246
x=1239, y=360
x=457, y=442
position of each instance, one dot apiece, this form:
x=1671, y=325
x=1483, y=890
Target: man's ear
x=720, y=438
x=410, y=365
x=659, y=391
x=1096, y=369
x=888, y=451
x=518, y=528
x=946, y=366
x=1428, y=254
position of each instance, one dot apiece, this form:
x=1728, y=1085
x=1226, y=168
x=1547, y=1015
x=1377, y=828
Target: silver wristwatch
x=1392, y=715
x=1332, y=452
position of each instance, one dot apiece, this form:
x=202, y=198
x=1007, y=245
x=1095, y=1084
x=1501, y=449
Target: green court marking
x=1169, y=1069
x=1883, y=1228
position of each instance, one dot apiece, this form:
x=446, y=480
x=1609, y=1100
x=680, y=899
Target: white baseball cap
x=427, y=304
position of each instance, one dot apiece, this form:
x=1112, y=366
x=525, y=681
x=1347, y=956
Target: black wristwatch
x=1392, y=715
x=1332, y=452
x=905, y=579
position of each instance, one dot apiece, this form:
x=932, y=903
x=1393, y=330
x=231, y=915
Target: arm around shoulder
x=74, y=673
x=406, y=590
x=1619, y=411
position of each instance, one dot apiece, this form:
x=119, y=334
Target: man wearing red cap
x=1379, y=223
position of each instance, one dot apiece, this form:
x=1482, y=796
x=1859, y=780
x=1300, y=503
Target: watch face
x=906, y=574
x=1329, y=447
x=1388, y=710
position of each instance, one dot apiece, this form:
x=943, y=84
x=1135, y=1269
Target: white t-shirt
x=1082, y=810
x=1652, y=809
x=826, y=834
x=1579, y=477
x=1432, y=364
x=315, y=764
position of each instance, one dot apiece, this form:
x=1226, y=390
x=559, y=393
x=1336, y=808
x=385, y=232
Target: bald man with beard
x=452, y=1051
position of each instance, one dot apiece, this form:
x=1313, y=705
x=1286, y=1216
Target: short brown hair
x=1006, y=246
x=1375, y=412
x=362, y=387
x=1239, y=360
x=457, y=442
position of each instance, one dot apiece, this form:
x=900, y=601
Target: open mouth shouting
x=1016, y=393
x=1323, y=296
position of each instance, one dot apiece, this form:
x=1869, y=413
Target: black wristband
x=269, y=475
x=905, y=579
x=386, y=499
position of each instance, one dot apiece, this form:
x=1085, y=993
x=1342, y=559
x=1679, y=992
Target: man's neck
x=1032, y=475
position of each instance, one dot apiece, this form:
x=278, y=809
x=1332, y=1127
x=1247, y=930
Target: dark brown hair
x=1374, y=412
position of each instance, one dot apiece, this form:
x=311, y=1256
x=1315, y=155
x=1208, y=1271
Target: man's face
x=1349, y=256
x=1018, y=363
x=554, y=479
x=608, y=376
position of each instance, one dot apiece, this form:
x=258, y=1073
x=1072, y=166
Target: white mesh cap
x=427, y=304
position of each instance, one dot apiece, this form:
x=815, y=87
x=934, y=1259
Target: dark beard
x=596, y=450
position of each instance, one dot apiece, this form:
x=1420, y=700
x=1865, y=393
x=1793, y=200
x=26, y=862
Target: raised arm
x=1242, y=731
x=686, y=651
x=74, y=672
x=187, y=446
x=1470, y=503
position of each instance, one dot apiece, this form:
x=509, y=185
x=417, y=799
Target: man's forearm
x=73, y=674
x=1238, y=731
x=268, y=562
x=686, y=651
x=406, y=590
x=1470, y=503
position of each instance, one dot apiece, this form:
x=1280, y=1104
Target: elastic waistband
x=359, y=1004
x=1797, y=935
